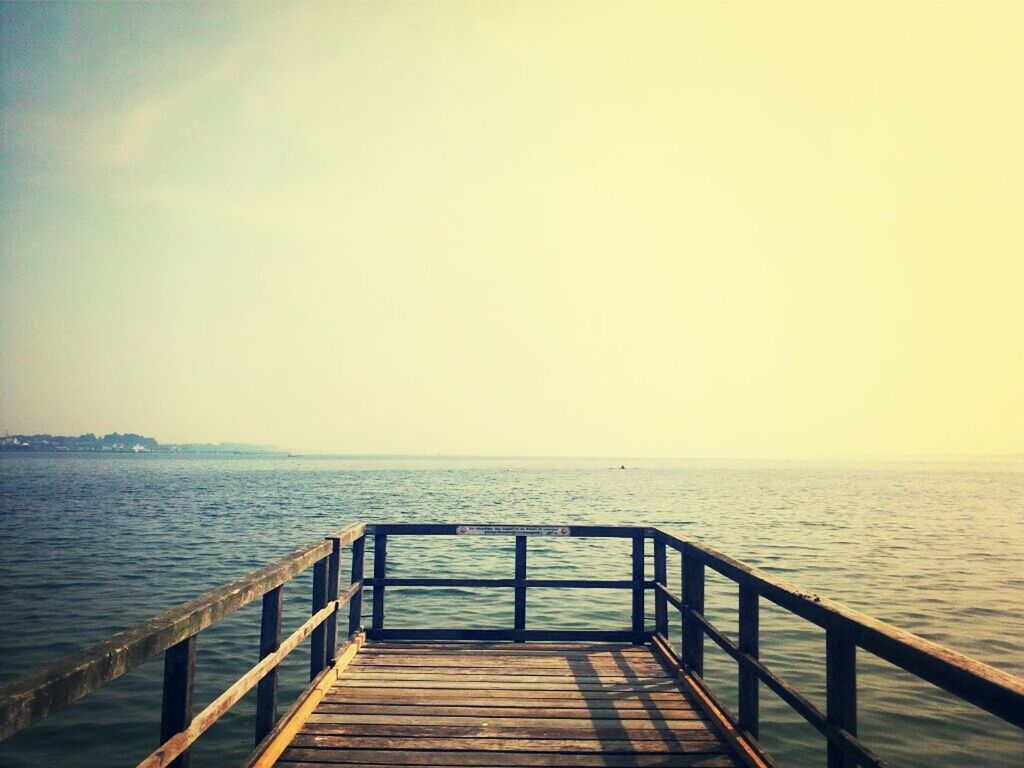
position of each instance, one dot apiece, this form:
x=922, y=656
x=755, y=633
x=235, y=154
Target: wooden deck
x=507, y=704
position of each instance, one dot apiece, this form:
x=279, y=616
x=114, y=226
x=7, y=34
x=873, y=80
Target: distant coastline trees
x=117, y=442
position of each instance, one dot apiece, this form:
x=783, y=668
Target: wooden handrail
x=53, y=686
x=991, y=689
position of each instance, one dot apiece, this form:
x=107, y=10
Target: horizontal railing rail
x=846, y=630
x=637, y=584
x=174, y=633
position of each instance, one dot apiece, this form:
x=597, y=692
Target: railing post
x=179, y=675
x=693, y=600
x=380, y=554
x=749, y=644
x=661, y=577
x=520, y=597
x=840, y=693
x=333, y=574
x=317, y=642
x=638, y=589
x=270, y=641
x=355, y=607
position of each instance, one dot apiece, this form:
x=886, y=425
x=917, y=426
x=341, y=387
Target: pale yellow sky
x=667, y=229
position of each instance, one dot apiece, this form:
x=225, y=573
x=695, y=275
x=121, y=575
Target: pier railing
x=846, y=630
x=174, y=634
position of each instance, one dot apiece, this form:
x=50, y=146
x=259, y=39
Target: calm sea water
x=90, y=544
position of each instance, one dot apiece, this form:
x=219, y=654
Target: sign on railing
x=513, y=530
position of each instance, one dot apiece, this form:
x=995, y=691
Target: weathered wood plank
x=372, y=694
x=533, y=727
x=541, y=671
x=667, y=746
x=404, y=646
x=647, y=711
x=500, y=678
x=316, y=758
x=658, y=686
x=580, y=718
x=501, y=662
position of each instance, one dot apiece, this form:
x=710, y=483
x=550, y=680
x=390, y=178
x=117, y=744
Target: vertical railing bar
x=333, y=574
x=749, y=643
x=380, y=553
x=179, y=679
x=520, y=589
x=638, y=589
x=270, y=641
x=317, y=643
x=355, y=606
x=660, y=577
x=692, y=650
x=841, y=694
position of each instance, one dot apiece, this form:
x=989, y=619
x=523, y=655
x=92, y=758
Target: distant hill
x=116, y=442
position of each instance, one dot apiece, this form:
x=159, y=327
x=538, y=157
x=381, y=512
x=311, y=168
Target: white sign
x=513, y=530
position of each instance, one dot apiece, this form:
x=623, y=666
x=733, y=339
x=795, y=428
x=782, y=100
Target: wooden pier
x=390, y=695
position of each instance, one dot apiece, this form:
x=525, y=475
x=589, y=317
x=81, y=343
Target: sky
x=745, y=229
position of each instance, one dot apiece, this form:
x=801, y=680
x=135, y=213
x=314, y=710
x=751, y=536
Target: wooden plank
x=593, y=670
x=179, y=680
x=508, y=635
x=497, y=659
x=539, y=688
x=270, y=641
x=500, y=678
x=509, y=650
x=580, y=718
x=435, y=646
x=369, y=694
x=316, y=758
x=667, y=746
x=460, y=708
x=536, y=728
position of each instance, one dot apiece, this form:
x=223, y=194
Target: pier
x=384, y=694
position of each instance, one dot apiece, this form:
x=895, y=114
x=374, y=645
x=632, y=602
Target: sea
x=92, y=543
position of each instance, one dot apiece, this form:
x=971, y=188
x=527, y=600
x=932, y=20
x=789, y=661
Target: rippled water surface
x=90, y=544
